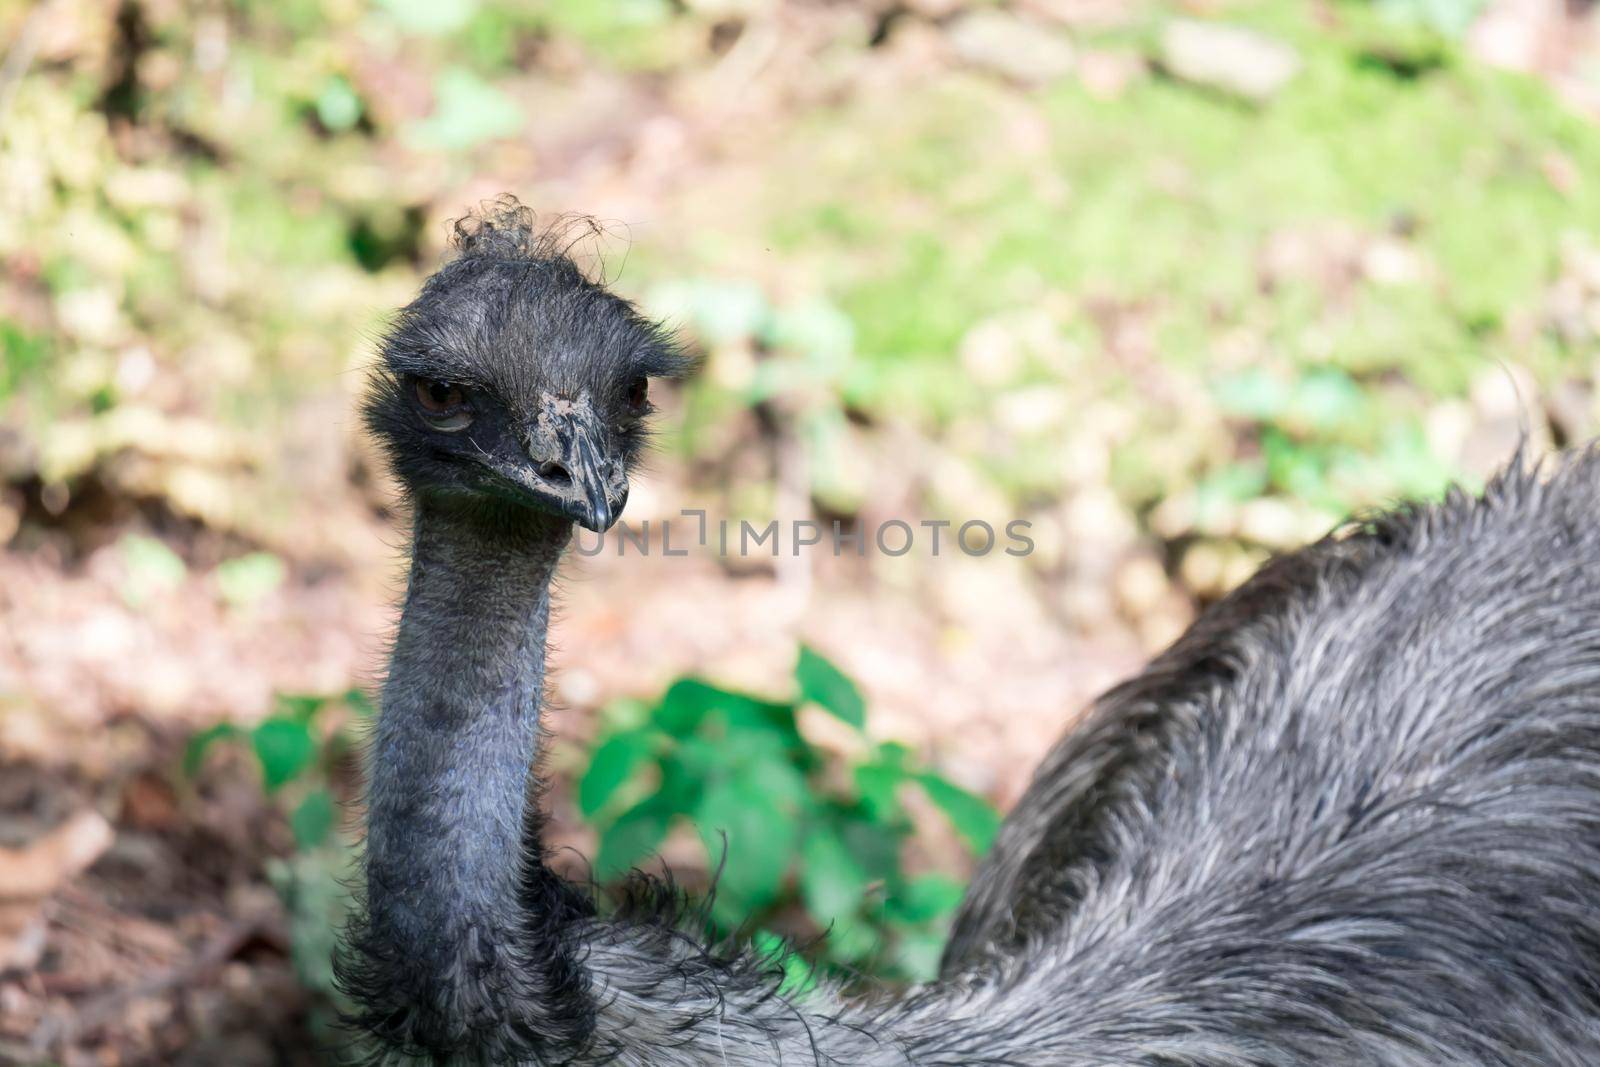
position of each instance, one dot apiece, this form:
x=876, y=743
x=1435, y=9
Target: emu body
x=1352, y=817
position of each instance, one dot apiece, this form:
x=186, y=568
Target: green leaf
x=634, y=835
x=720, y=312
x=878, y=780
x=1409, y=462
x=893, y=754
x=1327, y=398
x=832, y=883
x=312, y=819
x=1218, y=495
x=680, y=788
x=624, y=713
x=1452, y=18
x=826, y=685
x=612, y=764
x=285, y=748
x=918, y=953
x=194, y=753
x=467, y=112
x=249, y=579
x=338, y=106
x=971, y=815
x=700, y=758
x=432, y=18
x=854, y=941
x=876, y=785
x=153, y=569
x=876, y=847
x=757, y=747
x=22, y=354
x=817, y=328
x=760, y=843
x=1251, y=394
x=798, y=975
x=683, y=705
x=687, y=704
x=301, y=707
x=925, y=898
x=1300, y=468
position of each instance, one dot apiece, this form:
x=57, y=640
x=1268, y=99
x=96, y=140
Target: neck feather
x=464, y=924
x=460, y=723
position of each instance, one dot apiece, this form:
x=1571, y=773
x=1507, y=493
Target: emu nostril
x=555, y=473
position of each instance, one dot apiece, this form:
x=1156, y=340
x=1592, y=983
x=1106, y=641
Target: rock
x=1229, y=59
x=1033, y=409
x=1141, y=585
x=991, y=354
x=1014, y=47
x=934, y=9
x=728, y=9
x=1090, y=14
x=1389, y=261
x=1107, y=75
x=1202, y=568
x=1269, y=521
x=1505, y=391
x=1517, y=34
x=1561, y=172
x=1570, y=404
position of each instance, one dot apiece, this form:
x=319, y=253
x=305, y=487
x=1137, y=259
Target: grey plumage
x=1353, y=816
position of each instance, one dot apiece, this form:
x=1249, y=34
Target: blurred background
x=1182, y=285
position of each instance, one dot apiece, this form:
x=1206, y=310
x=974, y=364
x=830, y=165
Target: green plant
x=299, y=751
x=21, y=356
x=1324, y=439
x=799, y=843
x=297, y=756
x=794, y=358
x=1450, y=17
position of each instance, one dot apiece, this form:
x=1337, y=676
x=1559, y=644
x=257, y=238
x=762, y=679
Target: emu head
x=513, y=380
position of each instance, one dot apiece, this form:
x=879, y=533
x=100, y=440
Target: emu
x=1352, y=817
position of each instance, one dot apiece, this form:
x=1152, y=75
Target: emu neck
x=449, y=804
x=471, y=950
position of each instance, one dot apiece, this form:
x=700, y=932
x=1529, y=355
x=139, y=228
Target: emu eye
x=444, y=405
x=638, y=394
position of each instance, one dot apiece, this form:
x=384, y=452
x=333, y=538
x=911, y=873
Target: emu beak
x=573, y=474
x=591, y=505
